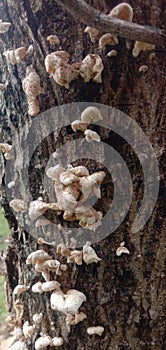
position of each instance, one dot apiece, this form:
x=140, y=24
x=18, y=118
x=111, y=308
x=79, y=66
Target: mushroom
x=91, y=114
x=50, y=286
x=95, y=330
x=73, y=320
x=54, y=172
x=141, y=46
x=57, y=341
x=18, y=345
x=89, y=255
x=38, y=207
x=75, y=257
x=91, y=68
x=67, y=303
x=28, y=330
x=143, y=68
x=78, y=125
x=37, y=288
x=67, y=178
x=42, y=342
x=37, y=318
x=15, y=56
x=11, y=184
x=122, y=11
x=91, y=136
x=4, y=26
x=53, y=40
x=70, y=196
x=79, y=171
x=2, y=87
x=65, y=74
x=108, y=39
x=112, y=53
x=93, y=33
x=32, y=88
x=122, y=249
x=55, y=60
x=20, y=288
x=37, y=257
x=18, y=205
x=5, y=147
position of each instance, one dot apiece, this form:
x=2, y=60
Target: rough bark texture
x=124, y=294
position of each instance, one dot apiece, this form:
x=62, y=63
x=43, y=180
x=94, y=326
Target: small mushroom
x=54, y=172
x=37, y=288
x=55, y=60
x=15, y=56
x=91, y=68
x=27, y=330
x=95, y=330
x=18, y=332
x=37, y=257
x=122, y=11
x=122, y=249
x=141, y=46
x=37, y=318
x=70, y=196
x=78, y=125
x=65, y=74
x=32, y=88
x=93, y=33
x=4, y=26
x=67, y=303
x=38, y=207
x=50, y=286
x=11, y=184
x=57, y=341
x=143, y=68
x=79, y=171
x=75, y=257
x=53, y=40
x=73, y=320
x=2, y=87
x=108, y=39
x=112, y=53
x=18, y=205
x=91, y=114
x=42, y=342
x=90, y=219
x=91, y=136
x=20, y=288
x=67, y=178
x=89, y=255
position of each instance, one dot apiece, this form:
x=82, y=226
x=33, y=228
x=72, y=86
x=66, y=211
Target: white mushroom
x=91, y=136
x=27, y=330
x=15, y=56
x=67, y=303
x=53, y=40
x=108, y=39
x=75, y=257
x=141, y=46
x=37, y=318
x=4, y=26
x=57, y=341
x=20, y=288
x=37, y=257
x=32, y=88
x=37, y=288
x=11, y=184
x=38, y=207
x=89, y=255
x=91, y=68
x=72, y=320
x=18, y=205
x=78, y=125
x=67, y=178
x=79, y=171
x=50, y=286
x=91, y=114
x=122, y=11
x=93, y=33
x=112, y=53
x=56, y=59
x=143, y=68
x=42, y=342
x=54, y=172
x=95, y=330
x=65, y=74
x=122, y=249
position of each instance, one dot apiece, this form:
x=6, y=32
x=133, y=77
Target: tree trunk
x=125, y=294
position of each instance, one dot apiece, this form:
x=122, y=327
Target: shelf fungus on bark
x=47, y=266
x=68, y=303
x=18, y=345
x=91, y=68
x=20, y=288
x=93, y=33
x=79, y=171
x=122, y=249
x=32, y=88
x=37, y=288
x=112, y=53
x=27, y=330
x=89, y=255
x=75, y=257
x=141, y=46
x=57, y=341
x=53, y=39
x=4, y=26
x=143, y=68
x=19, y=205
x=91, y=114
x=15, y=56
x=122, y=11
x=73, y=320
x=108, y=39
x=91, y=136
x=38, y=256
x=50, y=286
x=38, y=207
x=37, y=318
x=43, y=342
x=78, y=125
x=95, y=330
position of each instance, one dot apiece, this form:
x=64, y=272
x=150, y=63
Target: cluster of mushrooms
x=57, y=63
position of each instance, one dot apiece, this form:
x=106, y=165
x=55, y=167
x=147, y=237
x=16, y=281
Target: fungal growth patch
x=15, y=56
x=141, y=46
x=4, y=26
x=32, y=88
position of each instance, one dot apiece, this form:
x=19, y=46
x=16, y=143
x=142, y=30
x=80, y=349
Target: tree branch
x=91, y=17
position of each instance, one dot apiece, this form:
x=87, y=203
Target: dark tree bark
x=124, y=294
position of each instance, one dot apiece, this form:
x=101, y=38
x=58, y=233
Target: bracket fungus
x=42, y=342
x=4, y=26
x=78, y=125
x=89, y=255
x=38, y=256
x=93, y=33
x=91, y=68
x=91, y=136
x=73, y=320
x=112, y=53
x=18, y=205
x=95, y=330
x=15, y=56
x=37, y=288
x=141, y=46
x=27, y=330
x=122, y=249
x=37, y=318
x=20, y=288
x=32, y=88
x=53, y=40
x=38, y=207
x=91, y=114
x=50, y=286
x=122, y=11
x=143, y=68
x=57, y=341
x=68, y=303
x=108, y=39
